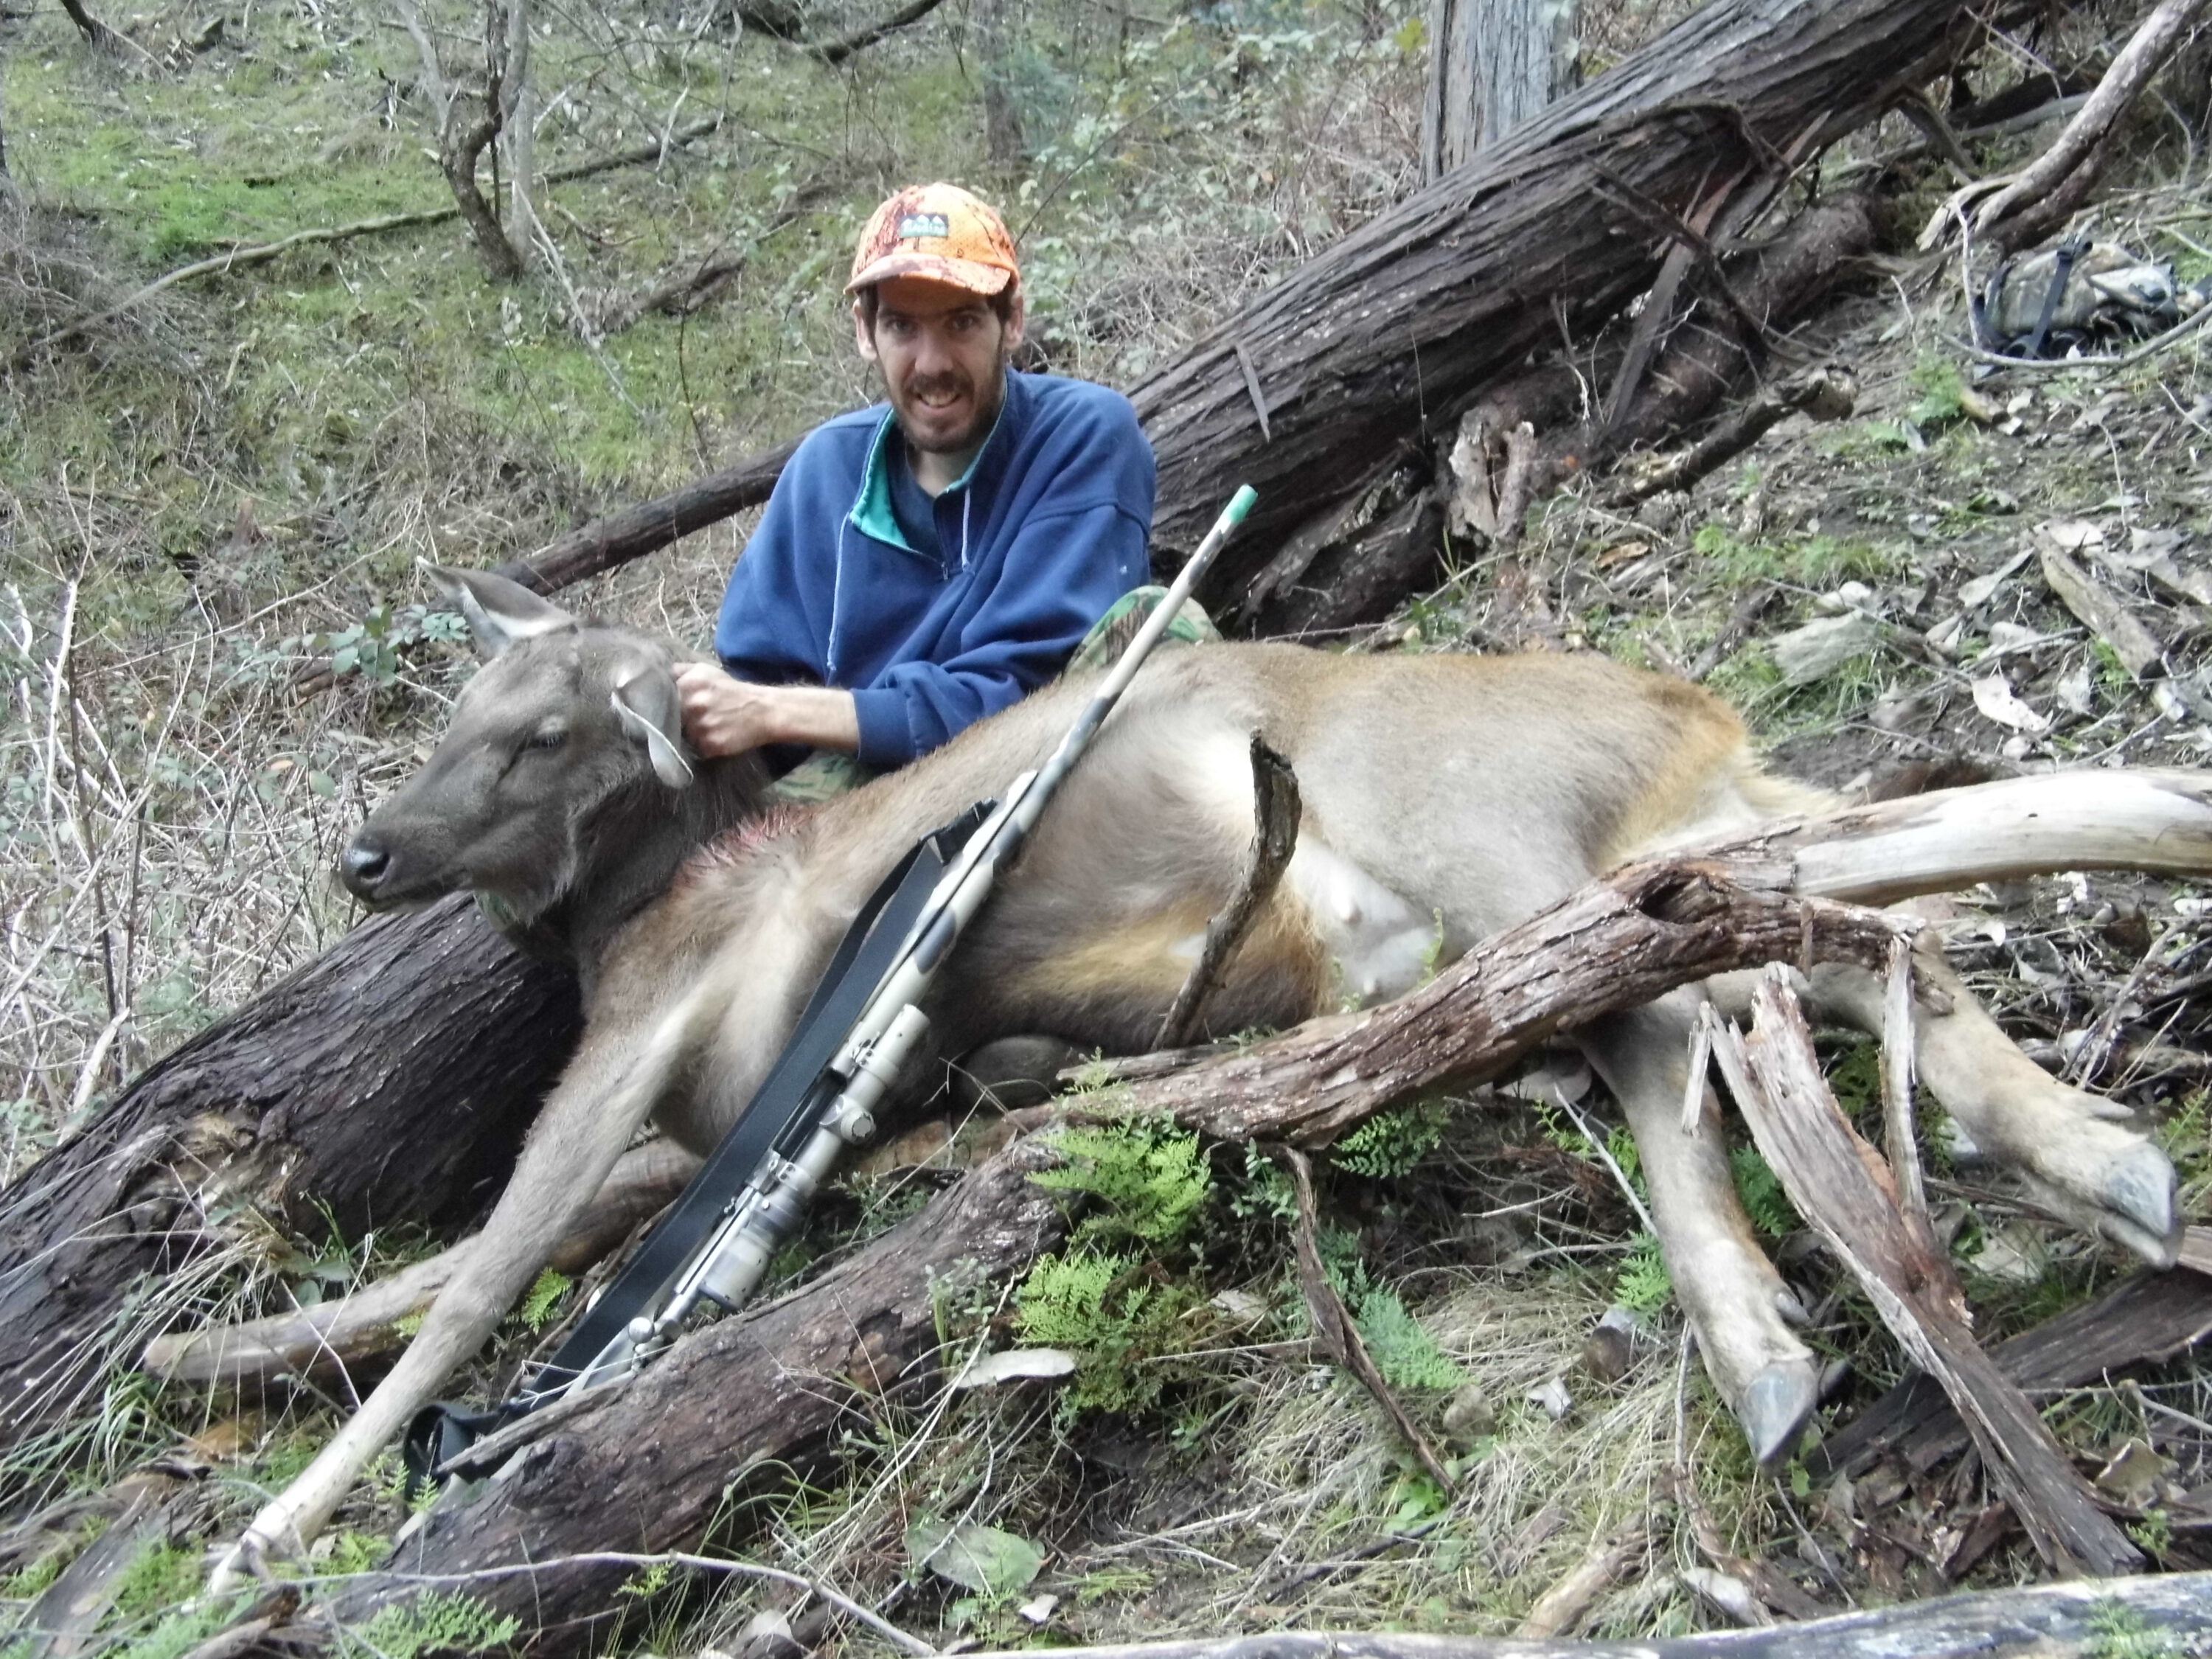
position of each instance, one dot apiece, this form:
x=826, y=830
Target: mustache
x=949, y=383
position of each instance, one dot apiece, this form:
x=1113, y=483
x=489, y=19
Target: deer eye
x=550, y=737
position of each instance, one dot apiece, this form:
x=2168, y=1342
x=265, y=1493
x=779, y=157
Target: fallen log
x=1387, y=333
x=2172, y=1611
x=2146, y=1318
x=363, y=1089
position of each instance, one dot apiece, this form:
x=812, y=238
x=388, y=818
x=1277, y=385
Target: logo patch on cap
x=923, y=224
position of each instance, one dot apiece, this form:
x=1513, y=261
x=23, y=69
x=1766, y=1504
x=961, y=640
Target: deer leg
x=343, y=1331
x=2103, y=1177
x=579, y=1135
x=1730, y=1292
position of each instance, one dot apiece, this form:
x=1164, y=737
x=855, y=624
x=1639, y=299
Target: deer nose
x=363, y=866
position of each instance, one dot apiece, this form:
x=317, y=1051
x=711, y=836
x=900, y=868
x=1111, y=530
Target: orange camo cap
x=939, y=232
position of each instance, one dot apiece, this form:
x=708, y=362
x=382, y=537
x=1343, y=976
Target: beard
x=948, y=413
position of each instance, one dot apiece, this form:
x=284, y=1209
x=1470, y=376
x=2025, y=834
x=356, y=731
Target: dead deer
x=1444, y=798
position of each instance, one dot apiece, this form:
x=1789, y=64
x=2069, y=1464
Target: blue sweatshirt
x=1044, y=531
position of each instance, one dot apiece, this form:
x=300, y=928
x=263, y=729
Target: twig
x=1333, y=1322
x=1274, y=837
x=1899, y=1137
x=836, y=52
x=2148, y=48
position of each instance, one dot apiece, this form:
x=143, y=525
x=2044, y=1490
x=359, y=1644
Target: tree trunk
x=1493, y=65
x=388, y=1081
x=1002, y=115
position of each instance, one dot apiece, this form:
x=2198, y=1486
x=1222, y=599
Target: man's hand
x=725, y=715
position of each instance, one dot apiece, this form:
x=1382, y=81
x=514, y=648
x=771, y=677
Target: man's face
x=944, y=353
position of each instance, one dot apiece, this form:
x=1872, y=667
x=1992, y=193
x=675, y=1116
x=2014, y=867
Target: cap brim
x=969, y=274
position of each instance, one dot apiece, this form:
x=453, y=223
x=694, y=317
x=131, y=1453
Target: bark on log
x=389, y=1080
x=2145, y=1319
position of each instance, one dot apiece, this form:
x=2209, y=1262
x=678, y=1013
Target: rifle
x=857, y=1030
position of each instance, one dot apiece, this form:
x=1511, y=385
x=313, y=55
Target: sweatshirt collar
x=871, y=513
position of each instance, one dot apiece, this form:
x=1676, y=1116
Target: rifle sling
x=779, y=1113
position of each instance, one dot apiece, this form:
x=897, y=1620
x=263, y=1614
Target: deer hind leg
x=2103, y=1177
x=607, y=1092
x=345, y=1331
x=1730, y=1292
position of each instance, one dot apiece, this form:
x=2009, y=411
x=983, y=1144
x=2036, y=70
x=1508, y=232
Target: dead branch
x=836, y=52
x=635, y=531
x=2102, y=612
x=1333, y=1322
x=1569, y=1600
x=1826, y=392
x=1840, y=1184
x=2047, y=1618
x=1274, y=837
x=2078, y=151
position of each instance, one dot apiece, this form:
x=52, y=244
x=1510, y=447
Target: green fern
x=1113, y=1315
x=1266, y=1191
x=437, y=1622
x=1400, y=1345
x=537, y=1310
x=1644, y=1286
x=1149, y=1178
x=1392, y=1144
x=1760, y=1189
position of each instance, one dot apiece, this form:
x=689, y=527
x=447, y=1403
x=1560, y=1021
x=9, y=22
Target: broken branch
x=1841, y=1186
x=1333, y=1322
x=2085, y=134
x=1274, y=837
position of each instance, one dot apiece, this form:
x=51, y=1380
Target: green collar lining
x=871, y=513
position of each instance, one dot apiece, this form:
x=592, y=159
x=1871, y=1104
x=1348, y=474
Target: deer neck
x=629, y=850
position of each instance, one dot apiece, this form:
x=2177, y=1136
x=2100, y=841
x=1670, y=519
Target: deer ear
x=500, y=613
x=646, y=704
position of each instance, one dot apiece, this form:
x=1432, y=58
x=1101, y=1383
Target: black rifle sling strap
x=442, y=1431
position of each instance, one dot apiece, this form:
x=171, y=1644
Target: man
x=924, y=564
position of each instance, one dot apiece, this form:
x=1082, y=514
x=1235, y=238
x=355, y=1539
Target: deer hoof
x=1775, y=1406
x=2138, y=1193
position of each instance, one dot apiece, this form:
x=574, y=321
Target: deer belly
x=1378, y=945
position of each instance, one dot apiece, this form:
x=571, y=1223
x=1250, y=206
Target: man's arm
x=725, y=715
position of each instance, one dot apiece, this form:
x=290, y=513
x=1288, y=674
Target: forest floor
x=237, y=479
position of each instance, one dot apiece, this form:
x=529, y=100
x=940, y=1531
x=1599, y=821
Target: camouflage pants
x=826, y=774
